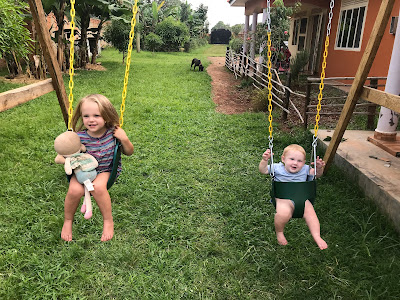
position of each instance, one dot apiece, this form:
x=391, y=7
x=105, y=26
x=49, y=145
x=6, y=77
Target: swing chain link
x=128, y=62
x=71, y=66
x=268, y=16
x=325, y=55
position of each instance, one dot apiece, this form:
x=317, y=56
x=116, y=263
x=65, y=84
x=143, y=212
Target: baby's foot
x=321, y=243
x=108, y=231
x=66, y=232
x=83, y=208
x=281, y=239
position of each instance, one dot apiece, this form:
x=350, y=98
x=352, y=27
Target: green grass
x=191, y=211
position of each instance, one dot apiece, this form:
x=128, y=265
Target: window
x=299, y=33
x=351, y=24
x=295, y=31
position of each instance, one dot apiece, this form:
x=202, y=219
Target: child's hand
x=266, y=155
x=320, y=165
x=120, y=134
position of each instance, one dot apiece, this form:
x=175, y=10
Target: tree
x=280, y=25
x=173, y=34
x=117, y=34
x=236, y=29
x=15, y=41
x=220, y=25
x=58, y=9
x=153, y=42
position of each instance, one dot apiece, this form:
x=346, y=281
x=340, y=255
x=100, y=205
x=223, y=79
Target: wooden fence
x=243, y=66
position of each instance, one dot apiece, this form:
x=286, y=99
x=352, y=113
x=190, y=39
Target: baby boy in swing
x=293, y=169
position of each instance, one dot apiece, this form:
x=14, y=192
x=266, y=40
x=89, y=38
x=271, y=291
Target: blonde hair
x=294, y=147
x=107, y=111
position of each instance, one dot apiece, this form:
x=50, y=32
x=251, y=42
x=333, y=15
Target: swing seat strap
x=298, y=192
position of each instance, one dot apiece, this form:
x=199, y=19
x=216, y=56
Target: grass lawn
x=191, y=211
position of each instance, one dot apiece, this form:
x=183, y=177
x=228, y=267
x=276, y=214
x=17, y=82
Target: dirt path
x=229, y=98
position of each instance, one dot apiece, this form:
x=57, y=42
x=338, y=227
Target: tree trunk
x=83, y=49
x=96, y=41
x=137, y=35
x=60, y=36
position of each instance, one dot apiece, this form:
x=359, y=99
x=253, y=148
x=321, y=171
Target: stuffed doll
x=69, y=148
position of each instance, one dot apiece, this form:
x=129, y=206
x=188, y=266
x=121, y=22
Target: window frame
x=344, y=10
x=297, y=34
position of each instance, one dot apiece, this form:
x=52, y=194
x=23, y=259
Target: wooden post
x=287, y=96
x=307, y=102
x=373, y=83
x=49, y=55
x=361, y=75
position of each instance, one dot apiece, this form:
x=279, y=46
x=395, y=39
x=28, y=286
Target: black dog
x=197, y=63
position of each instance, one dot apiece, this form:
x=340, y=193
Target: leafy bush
x=153, y=42
x=173, y=34
x=15, y=41
x=298, y=63
x=117, y=34
x=236, y=44
x=259, y=100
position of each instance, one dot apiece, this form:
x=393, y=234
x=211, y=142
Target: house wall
x=341, y=63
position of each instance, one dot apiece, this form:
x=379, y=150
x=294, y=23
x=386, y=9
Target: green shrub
x=236, y=44
x=259, y=100
x=153, y=42
x=173, y=33
x=298, y=63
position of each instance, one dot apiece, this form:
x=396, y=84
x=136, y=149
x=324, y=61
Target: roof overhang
x=240, y=3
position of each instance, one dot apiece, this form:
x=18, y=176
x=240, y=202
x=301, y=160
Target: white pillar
x=246, y=32
x=388, y=119
x=263, y=44
x=253, y=36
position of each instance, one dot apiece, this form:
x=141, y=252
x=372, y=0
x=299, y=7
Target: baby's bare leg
x=284, y=212
x=313, y=224
x=74, y=194
x=103, y=200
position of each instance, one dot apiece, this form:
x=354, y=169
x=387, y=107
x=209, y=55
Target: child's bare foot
x=66, y=232
x=321, y=243
x=108, y=231
x=281, y=239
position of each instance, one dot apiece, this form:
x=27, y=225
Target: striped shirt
x=102, y=149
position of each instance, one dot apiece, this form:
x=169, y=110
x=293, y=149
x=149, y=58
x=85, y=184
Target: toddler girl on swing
x=96, y=122
x=293, y=169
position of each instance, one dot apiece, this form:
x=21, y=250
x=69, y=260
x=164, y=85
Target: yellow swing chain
x=269, y=65
x=325, y=55
x=269, y=75
x=128, y=63
x=71, y=65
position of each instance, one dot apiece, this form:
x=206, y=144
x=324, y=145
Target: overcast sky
x=220, y=10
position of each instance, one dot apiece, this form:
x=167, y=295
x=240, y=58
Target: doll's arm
x=67, y=166
x=60, y=159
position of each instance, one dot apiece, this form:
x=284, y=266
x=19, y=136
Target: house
x=351, y=27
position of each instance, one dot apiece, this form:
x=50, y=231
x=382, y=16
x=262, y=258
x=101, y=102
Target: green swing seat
x=298, y=192
x=114, y=170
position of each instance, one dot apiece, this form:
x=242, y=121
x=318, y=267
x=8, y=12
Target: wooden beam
x=381, y=98
x=363, y=69
x=24, y=94
x=49, y=55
